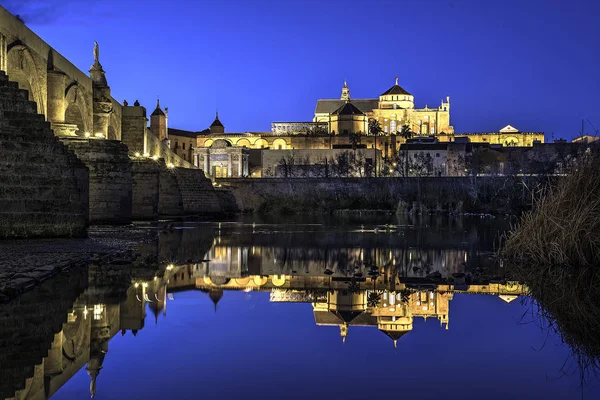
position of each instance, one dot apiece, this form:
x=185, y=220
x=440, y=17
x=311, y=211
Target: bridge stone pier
x=103, y=138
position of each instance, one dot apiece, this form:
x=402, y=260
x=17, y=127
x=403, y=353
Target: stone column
x=3, y=62
x=56, y=97
x=206, y=163
x=229, y=165
x=240, y=162
x=102, y=104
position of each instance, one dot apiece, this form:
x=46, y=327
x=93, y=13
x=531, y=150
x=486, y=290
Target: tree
x=375, y=127
x=354, y=139
x=317, y=131
x=405, y=132
x=422, y=164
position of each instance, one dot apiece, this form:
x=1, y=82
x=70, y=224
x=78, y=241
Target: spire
x=345, y=92
x=396, y=81
x=157, y=111
x=396, y=343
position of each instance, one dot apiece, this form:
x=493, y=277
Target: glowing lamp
x=87, y=134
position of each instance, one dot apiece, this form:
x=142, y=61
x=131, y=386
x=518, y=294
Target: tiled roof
x=181, y=132
x=158, y=111
x=328, y=106
x=396, y=89
x=348, y=109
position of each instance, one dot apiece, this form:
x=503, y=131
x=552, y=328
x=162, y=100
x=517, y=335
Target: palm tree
x=375, y=127
x=405, y=132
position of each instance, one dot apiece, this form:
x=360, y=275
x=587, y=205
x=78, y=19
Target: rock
x=434, y=275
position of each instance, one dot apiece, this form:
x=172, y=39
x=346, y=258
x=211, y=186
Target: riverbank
x=26, y=263
x=495, y=195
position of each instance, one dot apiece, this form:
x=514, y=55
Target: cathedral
x=393, y=109
x=380, y=125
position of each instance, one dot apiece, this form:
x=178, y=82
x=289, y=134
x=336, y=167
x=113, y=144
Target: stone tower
x=101, y=97
x=217, y=126
x=345, y=92
x=158, y=123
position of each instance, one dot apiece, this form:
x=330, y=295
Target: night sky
x=529, y=63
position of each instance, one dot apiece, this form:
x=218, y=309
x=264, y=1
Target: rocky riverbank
x=26, y=263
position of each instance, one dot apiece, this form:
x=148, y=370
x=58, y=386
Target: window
x=184, y=157
x=385, y=129
x=392, y=126
x=432, y=130
x=176, y=144
x=183, y=146
x=437, y=154
x=394, y=106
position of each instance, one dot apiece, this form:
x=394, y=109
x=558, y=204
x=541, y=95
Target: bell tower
x=345, y=92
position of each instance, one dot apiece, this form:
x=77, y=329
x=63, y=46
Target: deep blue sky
x=529, y=63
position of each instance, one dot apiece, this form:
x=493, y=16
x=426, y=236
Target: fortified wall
x=52, y=191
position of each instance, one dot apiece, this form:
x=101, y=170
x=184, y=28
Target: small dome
x=396, y=89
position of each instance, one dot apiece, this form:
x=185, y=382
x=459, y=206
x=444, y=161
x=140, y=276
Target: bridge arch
x=76, y=108
x=23, y=69
x=113, y=128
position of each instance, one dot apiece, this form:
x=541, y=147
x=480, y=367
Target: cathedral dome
x=394, y=335
x=396, y=89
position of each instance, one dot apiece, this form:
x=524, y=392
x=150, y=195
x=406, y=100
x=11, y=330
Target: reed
x=563, y=228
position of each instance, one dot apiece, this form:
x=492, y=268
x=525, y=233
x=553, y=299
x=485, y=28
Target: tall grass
x=555, y=250
x=563, y=229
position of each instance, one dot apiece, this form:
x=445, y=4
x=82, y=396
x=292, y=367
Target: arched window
x=393, y=126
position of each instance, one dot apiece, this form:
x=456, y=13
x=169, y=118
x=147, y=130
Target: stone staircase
x=43, y=186
x=29, y=324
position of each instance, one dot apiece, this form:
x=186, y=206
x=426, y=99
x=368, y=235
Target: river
x=311, y=307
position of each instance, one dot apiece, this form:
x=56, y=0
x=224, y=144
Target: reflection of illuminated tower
x=158, y=299
x=344, y=332
x=99, y=337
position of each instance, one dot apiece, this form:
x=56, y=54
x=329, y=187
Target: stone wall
x=110, y=183
x=145, y=191
x=43, y=186
x=159, y=191
x=170, y=203
x=496, y=195
x=197, y=193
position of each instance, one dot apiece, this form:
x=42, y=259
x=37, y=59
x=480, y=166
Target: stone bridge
x=75, y=104
x=44, y=97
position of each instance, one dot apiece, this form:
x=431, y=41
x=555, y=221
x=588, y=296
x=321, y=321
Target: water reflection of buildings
x=235, y=261
x=95, y=318
x=388, y=304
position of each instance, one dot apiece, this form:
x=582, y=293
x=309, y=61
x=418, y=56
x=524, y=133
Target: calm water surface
x=310, y=308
